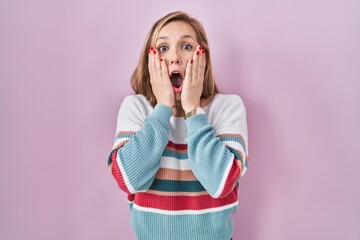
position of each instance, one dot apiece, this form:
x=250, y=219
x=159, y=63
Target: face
x=176, y=44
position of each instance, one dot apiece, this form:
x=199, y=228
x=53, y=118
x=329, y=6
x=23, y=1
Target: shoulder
x=226, y=110
x=134, y=108
x=229, y=97
x=224, y=102
x=135, y=100
x=135, y=103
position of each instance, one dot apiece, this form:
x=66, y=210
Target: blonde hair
x=140, y=80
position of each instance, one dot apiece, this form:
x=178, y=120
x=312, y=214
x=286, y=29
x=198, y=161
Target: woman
x=180, y=146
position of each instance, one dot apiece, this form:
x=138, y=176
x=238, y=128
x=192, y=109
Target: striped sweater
x=181, y=176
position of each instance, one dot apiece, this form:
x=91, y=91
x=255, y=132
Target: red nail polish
x=191, y=61
x=198, y=52
x=161, y=59
x=154, y=51
x=200, y=48
x=151, y=48
x=203, y=51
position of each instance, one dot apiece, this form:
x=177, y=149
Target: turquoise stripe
x=237, y=155
x=170, y=153
x=124, y=135
x=109, y=158
x=246, y=164
x=209, y=226
x=176, y=186
x=234, y=139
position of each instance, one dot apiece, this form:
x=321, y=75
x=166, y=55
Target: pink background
x=65, y=68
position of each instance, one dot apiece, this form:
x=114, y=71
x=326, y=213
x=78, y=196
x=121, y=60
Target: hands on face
x=159, y=79
x=192, y=83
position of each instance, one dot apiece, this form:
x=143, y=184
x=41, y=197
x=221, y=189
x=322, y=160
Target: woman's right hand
x=160, y=80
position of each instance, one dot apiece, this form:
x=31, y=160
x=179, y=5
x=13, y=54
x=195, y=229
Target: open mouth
x=176, y=80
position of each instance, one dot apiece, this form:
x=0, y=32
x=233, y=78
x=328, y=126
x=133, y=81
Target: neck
x=178, y=111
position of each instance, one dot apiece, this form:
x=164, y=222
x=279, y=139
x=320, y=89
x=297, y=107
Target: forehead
x=177, y=29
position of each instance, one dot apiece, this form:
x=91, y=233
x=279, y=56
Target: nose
x=175, y=61
x=175, y=58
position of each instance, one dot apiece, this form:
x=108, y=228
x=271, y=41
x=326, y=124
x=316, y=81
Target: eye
x=186, y=46
x=163, y=48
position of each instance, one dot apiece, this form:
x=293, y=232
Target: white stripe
x=244, y=170
x=185, y=212
x=174, y=163
x=239, y=147
x=236, y=146
x=118, y=141
x=223, y=180
x=126, y=179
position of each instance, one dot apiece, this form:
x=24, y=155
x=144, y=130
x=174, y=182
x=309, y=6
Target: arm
x=139, y=144
x=218, y=154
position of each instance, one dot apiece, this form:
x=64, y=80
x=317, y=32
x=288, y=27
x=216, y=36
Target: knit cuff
x=162, y=113
x=194, y=123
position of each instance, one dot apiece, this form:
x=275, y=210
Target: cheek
x=166, y=57
x=191, y=53
x=163, y=55
x=187, y=56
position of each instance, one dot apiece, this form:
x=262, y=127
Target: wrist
x=162, y=113
x=189, y=108
x=169, y=105
x=194, y=112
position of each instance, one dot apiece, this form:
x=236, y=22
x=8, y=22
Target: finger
x=188, y=71
x=157, y=66
x=164, y=69
x=151, y=62
x=202, y=64
x=196, y=57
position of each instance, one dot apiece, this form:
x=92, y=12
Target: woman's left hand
x=193, y=82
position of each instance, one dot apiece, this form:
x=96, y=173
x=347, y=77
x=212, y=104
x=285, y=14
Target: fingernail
x=203, y=51
x=161, y=59
x=198, y=52
x=200, y=48
x=151, y=48
x=191, y=61
x=154, y=51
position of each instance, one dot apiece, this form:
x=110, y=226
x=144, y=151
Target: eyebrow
x=183, y=36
